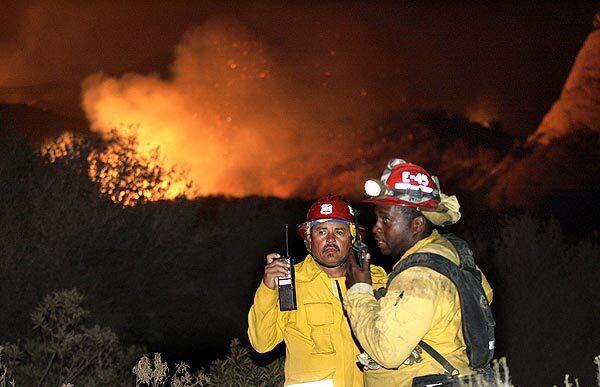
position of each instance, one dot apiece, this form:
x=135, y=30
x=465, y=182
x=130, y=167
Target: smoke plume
x=224, y=113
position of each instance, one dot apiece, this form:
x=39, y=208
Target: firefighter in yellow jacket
x=420, y=303
x=319, y=343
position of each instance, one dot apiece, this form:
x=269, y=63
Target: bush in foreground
x=65, y=352
x=237, y=369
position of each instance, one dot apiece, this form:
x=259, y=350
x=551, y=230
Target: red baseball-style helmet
x=405, y=184
x=326, y=209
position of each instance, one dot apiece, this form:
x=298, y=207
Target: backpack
x=477, y=320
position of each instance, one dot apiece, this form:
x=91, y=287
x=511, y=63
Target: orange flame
x=223, y=115
x=123, y=174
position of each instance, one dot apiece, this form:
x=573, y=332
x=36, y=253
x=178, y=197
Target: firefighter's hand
x=355, y=273
x=275, y=268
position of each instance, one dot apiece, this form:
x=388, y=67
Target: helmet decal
x=326, y=209
x=408, y=179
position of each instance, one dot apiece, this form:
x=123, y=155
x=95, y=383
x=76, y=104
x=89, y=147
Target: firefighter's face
x=392, y=230
x=330, y=242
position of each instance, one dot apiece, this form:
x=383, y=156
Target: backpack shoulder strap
x=467, y=262
x=433, y=261
x=430, y=260
x=450, y=370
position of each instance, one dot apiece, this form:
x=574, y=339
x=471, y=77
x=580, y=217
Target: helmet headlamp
x=375, y=188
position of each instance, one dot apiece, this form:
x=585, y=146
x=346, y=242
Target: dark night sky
x=505, y=62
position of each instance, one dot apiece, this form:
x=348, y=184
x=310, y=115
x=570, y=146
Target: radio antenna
x=287, y=250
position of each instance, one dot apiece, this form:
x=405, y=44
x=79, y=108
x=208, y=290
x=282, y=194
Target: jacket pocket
x=320, y=319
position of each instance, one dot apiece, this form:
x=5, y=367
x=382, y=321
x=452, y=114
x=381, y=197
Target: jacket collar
x=308, y=270
x=419, y=245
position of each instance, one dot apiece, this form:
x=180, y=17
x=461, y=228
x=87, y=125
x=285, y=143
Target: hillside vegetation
x=178, y=276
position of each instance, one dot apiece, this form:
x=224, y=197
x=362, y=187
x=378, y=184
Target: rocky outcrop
x=579, y=104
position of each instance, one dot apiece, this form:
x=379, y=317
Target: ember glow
x=484, y=110
x=67, y=145
x=129, y=178
x=122, y=173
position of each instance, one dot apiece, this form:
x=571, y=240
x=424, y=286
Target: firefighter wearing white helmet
x=412, y=330
x=317, y=336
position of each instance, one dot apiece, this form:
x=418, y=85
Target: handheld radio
x=360, y=249
x=287, y=285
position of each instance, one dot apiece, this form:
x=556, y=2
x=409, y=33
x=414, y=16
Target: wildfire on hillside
x=225, y=114
x=231, y=117
x=122, y=173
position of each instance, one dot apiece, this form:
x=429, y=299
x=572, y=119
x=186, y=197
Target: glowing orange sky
x=259, y=100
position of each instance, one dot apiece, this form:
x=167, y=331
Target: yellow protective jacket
x=420, y=304
x=319, y=345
